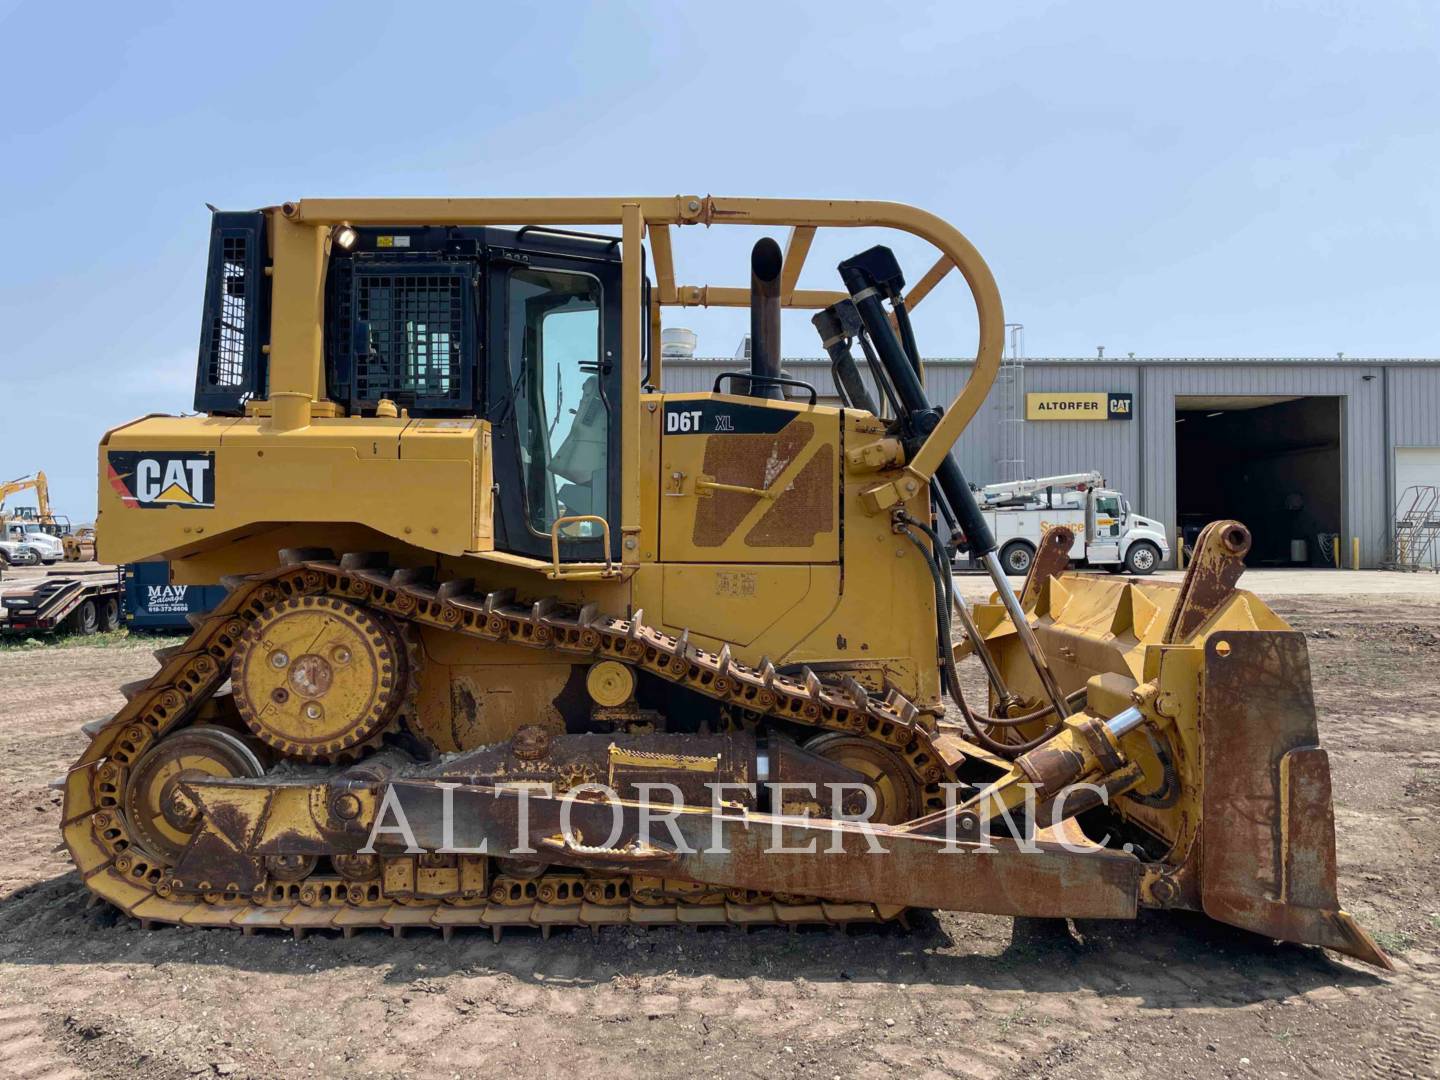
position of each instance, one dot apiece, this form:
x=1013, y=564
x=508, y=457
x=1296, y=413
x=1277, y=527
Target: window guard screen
x=413, y=335
x=234, y=327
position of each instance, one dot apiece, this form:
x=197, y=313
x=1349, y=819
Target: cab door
x=746, y=480
x=553, y=393
x=1105, y=526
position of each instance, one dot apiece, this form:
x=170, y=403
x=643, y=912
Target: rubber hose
x=994, y=721
x=947, y=658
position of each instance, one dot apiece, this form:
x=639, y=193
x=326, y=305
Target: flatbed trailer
x=83, y=601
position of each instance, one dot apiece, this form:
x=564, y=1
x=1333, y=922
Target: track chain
x=121, y=873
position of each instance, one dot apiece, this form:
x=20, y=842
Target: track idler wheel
x=898, y=796
x=317, y=677
x=161, y=818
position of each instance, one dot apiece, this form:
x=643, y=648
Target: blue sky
x=1228, y=178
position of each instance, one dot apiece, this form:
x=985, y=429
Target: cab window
x=562, y=416
x=1108, y=506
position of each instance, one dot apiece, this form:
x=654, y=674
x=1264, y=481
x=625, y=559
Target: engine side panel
x=170, y=485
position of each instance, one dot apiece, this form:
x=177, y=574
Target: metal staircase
x=1414, y=541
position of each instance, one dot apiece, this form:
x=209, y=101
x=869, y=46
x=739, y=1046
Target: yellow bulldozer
x=516, y=638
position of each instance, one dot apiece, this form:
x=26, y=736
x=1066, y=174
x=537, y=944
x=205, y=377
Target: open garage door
x=1274, y=463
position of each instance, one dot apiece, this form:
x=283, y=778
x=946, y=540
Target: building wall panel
x=1138, y=456
x=1414, y=405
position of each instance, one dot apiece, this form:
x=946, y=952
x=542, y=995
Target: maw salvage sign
x=1086, y=406
x=167, y=599
x=164, y=477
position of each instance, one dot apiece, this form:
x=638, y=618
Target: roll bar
x=301, y=236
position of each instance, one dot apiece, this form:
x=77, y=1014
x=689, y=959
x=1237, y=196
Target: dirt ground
x=85, y=993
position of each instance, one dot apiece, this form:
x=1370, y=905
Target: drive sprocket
x=318, y=677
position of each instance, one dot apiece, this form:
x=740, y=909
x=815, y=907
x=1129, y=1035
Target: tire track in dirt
x=960, y=995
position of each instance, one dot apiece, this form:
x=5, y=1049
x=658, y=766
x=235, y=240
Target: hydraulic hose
x=952, y=677
x=957, y=605
x=877, y=372
x=933, y=556
x=907, y=332
x=869, y=277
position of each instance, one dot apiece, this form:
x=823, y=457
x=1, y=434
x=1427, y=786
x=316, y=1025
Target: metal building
x=1303, y=449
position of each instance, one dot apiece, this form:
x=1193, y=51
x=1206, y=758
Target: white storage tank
x=677, y=343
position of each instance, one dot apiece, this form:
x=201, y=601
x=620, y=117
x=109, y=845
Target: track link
x=120, y=872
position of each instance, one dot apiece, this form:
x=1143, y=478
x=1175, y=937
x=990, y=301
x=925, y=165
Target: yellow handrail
x=569, y=519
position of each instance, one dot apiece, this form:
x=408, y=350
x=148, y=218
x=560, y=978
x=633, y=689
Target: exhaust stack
x=765, y=263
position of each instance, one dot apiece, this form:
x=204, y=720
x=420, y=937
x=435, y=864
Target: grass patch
x=1006, y=1022
x=114, y=639
x=1393, y=941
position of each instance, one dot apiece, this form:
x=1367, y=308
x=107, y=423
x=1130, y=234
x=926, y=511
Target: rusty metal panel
x=1268, y=839
x=761, y=852
x=1210, y=579
x=1051, y=560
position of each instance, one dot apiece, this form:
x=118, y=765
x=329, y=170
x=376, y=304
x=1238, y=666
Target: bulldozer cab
x=520, y=327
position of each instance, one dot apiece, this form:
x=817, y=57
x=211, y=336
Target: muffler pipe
x=765, y=262
x=869, y=277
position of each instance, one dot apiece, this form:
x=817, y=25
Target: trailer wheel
x=86, y=618
x=1016, y=558
x=1142, y=558
x=110, y=615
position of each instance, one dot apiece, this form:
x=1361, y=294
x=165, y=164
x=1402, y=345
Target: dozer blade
x=1268, y=841
x=1235, y=788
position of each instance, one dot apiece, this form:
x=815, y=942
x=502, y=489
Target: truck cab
x=33, y=534
x=1118, y=538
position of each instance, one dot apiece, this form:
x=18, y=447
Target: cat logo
x=160, y=478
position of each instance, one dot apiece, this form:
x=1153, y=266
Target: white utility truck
x=32, y=534
x=1107, y=532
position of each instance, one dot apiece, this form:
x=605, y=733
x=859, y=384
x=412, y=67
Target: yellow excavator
x=76, y=545
x=514, y=637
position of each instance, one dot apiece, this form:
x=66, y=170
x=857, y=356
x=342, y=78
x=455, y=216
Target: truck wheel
x=1016, y=558
x=1142, y=558
x=87, y=619
x=110, y=615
